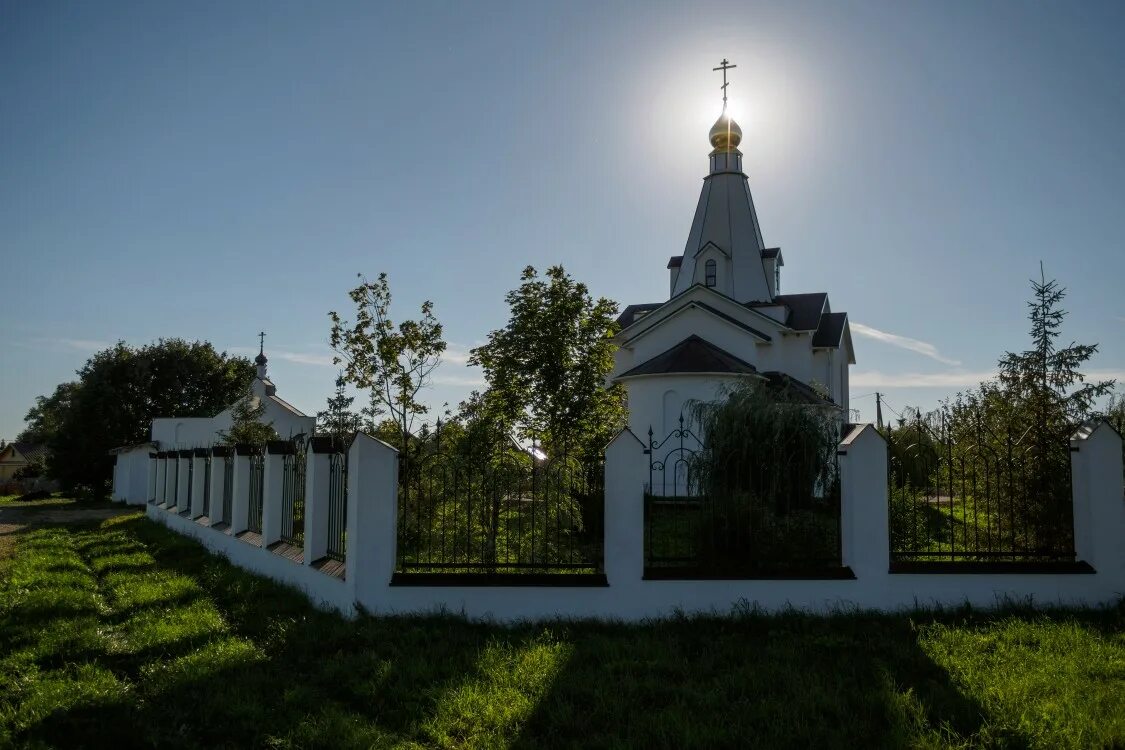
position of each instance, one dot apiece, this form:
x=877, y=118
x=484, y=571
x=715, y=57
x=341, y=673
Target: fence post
x=170, y=459
x=183, y=502
x=1099, y=499
x=626, y=469
x=170, y=478
x=317, y=468
x=240, y=492
x=161, y=474
x=199, y=476
x=273, y=479
x=865, y=542
x=372, y=513
x=151, y=477
x=218, y=477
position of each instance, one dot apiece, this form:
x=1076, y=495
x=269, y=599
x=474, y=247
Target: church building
x=131, y=470
x=726, y=317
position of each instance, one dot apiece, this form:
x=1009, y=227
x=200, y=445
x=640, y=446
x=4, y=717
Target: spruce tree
x=338, y=420
x=1046, y=380
x=247, y=425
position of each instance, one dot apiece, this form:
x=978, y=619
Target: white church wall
x=372, y=538
x=657, y=401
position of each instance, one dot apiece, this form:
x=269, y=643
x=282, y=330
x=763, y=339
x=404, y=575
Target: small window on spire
x=709, y=272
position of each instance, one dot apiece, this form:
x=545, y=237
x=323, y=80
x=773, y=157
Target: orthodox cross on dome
x=725, y=66
x=260, y=360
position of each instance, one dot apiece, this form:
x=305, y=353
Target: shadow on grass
x=236, y=660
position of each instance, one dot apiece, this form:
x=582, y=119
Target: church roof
x=804, y=309
x=830, y=330
x=771, y=252
x=693, y=354
x=675, y=261
x=794, y=390
x=629, y=315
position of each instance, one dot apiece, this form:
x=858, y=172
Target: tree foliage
x=395, y=362
x=338, y=419
x=119, y=392
x=247, y=425
x=547, y=368
x=767, y=473
x=45, y=418
x=1002, y=448
x=1046, y=381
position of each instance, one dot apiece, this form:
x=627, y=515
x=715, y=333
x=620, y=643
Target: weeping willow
x=768, y=479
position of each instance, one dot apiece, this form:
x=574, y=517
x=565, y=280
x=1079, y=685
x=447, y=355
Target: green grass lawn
x=123, y=634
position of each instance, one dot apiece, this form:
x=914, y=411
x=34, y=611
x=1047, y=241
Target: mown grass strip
x=125, y=633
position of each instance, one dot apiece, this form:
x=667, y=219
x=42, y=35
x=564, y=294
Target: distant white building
x=173, y=433
x=726, y=318
x=131, y=469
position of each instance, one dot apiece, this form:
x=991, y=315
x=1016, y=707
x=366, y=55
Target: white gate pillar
x=151, y=477
x=198, y=478
x=317, y=474
x=626, y=469
x=218, y=481
x=183, y=502
x=865, y=542
x=240, y=495
x=372, y=516
x=161, y=477
x=273, y=481
x=1099, y=499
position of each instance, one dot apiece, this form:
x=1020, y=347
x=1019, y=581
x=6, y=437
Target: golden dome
x=725, y=134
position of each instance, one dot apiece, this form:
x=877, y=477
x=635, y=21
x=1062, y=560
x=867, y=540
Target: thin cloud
x=456, y=354
x=78, y=345
x=314, y=359
x=959, y=379
x=903, y=342
x=953, y=379
x=459, y=380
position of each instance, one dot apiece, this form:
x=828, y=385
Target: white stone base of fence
x=1099, y=531
x=325, y=591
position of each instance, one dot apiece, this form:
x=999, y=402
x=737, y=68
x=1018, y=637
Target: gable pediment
x=714, y=305
x=711, y=246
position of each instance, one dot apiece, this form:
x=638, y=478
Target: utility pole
x=879, y=410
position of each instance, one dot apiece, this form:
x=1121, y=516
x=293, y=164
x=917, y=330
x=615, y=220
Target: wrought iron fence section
x=190, y=484
x=176, y=483
x=980, y=493
x=293, y=497
x=337, y=506
x=257, y=478
x=670, y=461
x=500, y=510
x=207, y=486
x=228, y=489
x=776, y=516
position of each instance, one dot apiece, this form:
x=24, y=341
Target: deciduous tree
x=395, y=362
x=120, y=391
x=547, y=368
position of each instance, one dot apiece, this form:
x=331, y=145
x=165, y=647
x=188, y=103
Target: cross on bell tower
x=261, y=360
x=725, y=66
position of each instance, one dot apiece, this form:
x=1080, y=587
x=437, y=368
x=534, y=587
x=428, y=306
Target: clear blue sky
x=207, y=170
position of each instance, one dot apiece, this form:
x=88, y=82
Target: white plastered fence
x=372, y=496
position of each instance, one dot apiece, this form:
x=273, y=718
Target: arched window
x=709, y=272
